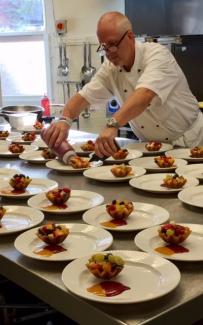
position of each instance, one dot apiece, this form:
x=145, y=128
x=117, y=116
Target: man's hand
x=55, y=134
x=105, y=145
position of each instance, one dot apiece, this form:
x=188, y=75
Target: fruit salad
x=153, y=146
x=58, y=196
x=16, y=148
x=79, y=162
x=48, y=154
x=38, y=125
x=173, y=233
x=52, y=234
x=105, y=266
x=4, y=134
x=121, y=170
x=119, y=209
x=88, y=146
x=20, y=182
x=196, y=152
x=121, y=154
x=174, y=181
x=164, y=162
x=29, y=136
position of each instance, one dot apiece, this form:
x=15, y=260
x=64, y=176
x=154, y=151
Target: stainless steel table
x=182, y=306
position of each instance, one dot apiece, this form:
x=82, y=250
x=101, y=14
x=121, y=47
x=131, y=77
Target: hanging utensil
x=65, y=67
x=92, y=69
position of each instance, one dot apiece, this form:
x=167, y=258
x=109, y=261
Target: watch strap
x=68, y=120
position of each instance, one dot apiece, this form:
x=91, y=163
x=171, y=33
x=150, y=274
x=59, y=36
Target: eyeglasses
x=111, y=48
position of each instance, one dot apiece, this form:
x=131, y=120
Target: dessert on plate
x=153, y=145
x=16, y=148
x=38, y=125
x=174, y=181
x=164, y=161
x=88, y=146
x=58, y=196
x=79, y=162
x=105, y=266
x=20, y=182
x=48, y=154
x=2, y=212
x=121, y=170
x=4, y=134
x=196, y=152
x=52, y=234
x=121, y=154
x=29, y=136
x=119, y=209
x=173, y=233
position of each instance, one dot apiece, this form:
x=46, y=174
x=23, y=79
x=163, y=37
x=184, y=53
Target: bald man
x=145, y=78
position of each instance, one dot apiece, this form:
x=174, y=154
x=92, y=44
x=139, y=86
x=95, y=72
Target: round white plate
x=18, y=218
x=5, y=152
x=30, y=129
x=62, y=168
x=192, y=196
x=34, y=157
x=10, y=134
x=149, y=164
x=40, y=143
x=143, y=216
x=183, y=153
x=18, y=139
x=148, y=239
x=148, y=276
x=37, y=185
x=78, y=201
x=195, y=170
x=131, y=155
x=82, y=240
x=141, y=147
x=152, y=183
x=104, y=174
x=7, y=173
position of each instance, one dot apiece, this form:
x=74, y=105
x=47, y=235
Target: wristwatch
x=68, y=120
x=112, y=123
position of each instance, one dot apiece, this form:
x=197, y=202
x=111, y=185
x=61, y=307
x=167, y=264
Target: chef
x=149, y=84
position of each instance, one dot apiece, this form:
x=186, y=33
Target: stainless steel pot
x=22, y=109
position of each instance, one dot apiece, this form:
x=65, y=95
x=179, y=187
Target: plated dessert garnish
x=29, y=136
x=88, y=146
x=174, y=181
x=121, y=170
x=48, y=154
x=16, y=148
x=19, y=182
x=79, y=162
x=153, y=146
x=196, y=152
x=119, y=209
x=2, y=212
x=38, y=125
x=59, y=196
x=164, y=161
x=52, y=234
x=4, y=134
x=121, y=154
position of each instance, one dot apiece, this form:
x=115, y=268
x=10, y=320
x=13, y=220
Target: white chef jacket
x=173, y=115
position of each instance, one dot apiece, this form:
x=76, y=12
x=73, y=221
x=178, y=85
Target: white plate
x=104, y=174
x=144, y=216
x=7, y=173
x=18, y=218
x=131, y=155
x=148, y=276
x=141, y=147
x=152, y=183
x=30, y=129
x=62, y=168
x=195, y=170
x=183, y=153
x=192, y=196
x=34, y=157
x=10, y=134
x=5, y=152
x=82, y=240
x=18, y=139
x=149, y=164
x=37, y=185
x=40, y=143
x=78, y=201
x=148, y=239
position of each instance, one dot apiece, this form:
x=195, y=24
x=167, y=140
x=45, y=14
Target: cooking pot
x=22, y=109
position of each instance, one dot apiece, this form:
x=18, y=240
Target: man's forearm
x=74, y=106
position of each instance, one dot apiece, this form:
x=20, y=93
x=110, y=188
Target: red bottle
x=45, y=103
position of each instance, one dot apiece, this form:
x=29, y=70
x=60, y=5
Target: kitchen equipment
x=20, y=120
x=87, y=70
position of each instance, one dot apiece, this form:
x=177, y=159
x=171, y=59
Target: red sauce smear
x=108, y=288
x=18, y=191
x=171, y=249
x=114, y=223
x=56, y=207
x=50, y=250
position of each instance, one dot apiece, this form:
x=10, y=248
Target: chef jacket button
x=142, y=126
x=149, y=104
x=166, y=139
x=139, y=70
x=125, y=90
x=157, y=125
x=120, y=70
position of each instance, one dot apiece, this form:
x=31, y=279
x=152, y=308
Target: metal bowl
x=21, y=109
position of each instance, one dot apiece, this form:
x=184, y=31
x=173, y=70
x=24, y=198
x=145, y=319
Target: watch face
x=112, y=123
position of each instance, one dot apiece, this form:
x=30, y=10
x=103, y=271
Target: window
x=22, y=51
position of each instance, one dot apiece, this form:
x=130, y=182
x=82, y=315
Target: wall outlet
x=61, y=26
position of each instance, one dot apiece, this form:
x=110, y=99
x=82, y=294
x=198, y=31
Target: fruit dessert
x=173, y=233
x=29, y=136
x=16, y=148
x=2, y=212
x=48, y=154
x=121, y=154
x=52, y=234
x=153, y=146
x=79, y=162
x=19, y=182
x=58, y=196
x=174, y=181
x=196, y=152
x=119, y=209
x=105, y=266
x=88, y=146
x=4, y=134
x=163, y=161
x=121, y=170
x=38, y=125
